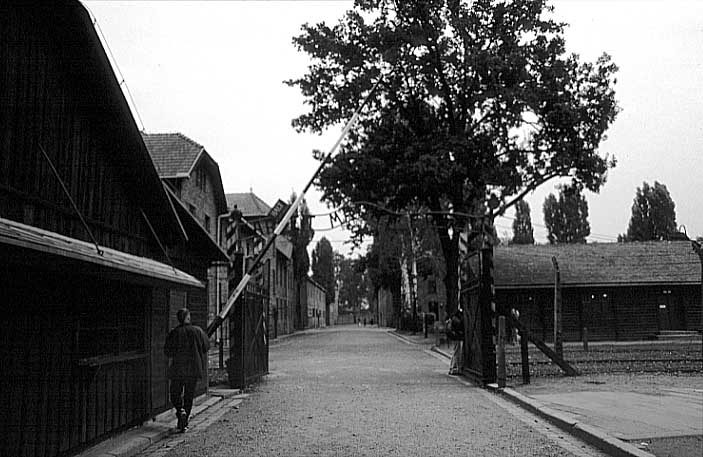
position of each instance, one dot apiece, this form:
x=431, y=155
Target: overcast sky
x=214, y=71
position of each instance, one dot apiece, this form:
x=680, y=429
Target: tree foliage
x=566, y=218
x=477, y=101
x=354, y=285
x=653, y=214
x=522, y=224
x=323, y=267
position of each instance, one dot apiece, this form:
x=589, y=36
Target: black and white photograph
x=351, y=228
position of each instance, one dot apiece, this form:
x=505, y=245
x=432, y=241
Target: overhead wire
x=121, y=80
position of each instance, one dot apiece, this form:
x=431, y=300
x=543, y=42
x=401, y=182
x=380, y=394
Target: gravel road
x=350, y=391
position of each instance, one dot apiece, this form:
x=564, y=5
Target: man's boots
x=182, y=420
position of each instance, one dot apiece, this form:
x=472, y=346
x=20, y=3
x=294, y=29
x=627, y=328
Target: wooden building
x=618, y=291
x=86, y=306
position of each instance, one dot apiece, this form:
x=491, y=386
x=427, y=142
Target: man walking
x=187, y=346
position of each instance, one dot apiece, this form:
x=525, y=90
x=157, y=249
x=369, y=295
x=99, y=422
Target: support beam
x=525, y=333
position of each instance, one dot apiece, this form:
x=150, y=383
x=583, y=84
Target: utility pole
x=558, y=347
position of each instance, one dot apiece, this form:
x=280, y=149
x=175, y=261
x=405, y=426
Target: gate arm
x=525, y=333
x=215, y=324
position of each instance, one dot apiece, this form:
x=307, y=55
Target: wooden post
x=525, y=333
x=501, y=351
x=558, y=347
x=699, y=250
x=585, y=339
x=487, y=307
x=524, y=355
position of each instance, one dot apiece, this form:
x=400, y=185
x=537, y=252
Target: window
x=201, y=178
x=207, y=223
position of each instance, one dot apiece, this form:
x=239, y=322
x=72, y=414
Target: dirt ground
x=650, y=383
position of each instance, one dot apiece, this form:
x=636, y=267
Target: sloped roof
x=248, y=203
x=29, y=239
x=174, y=154
x=69, y=26
x=607, y=264
x=195, y=231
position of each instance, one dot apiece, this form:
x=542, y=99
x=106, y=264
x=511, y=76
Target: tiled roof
x=654, y=262
x=172, y=153
x=248, y=203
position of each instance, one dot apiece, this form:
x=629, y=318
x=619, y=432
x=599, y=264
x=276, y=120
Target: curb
x=402, y=337
x=441, y=352
x=136, y=440
x=591, y=434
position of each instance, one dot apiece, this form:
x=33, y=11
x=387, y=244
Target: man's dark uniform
x=187, y=345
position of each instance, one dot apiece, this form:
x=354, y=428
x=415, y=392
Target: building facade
x=617, y=291
x=193, y=178
x=247, y=234
x=313, y=296
x=96, y=261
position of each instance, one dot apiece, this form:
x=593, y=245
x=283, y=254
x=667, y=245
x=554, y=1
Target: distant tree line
x=653, y=217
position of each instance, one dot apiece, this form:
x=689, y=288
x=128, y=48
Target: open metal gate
x=249, y=350
x=478, y=304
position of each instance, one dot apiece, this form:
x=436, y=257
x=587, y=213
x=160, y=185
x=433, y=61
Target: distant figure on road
x=187, y=346
x=364, y=322
x=455, y=332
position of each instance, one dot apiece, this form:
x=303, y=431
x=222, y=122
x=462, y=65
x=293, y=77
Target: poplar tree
x=522, y=225
x=653, y=214
x=566, y=218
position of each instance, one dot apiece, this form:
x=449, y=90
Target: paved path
x=351, y=391
x=634, y=416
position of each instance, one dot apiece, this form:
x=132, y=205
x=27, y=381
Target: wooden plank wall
x=53, y=403
x=622, y=313
x=41, y=104
x=159, y=362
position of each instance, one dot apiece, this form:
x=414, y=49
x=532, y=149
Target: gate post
x=235, y=364
x=487, y=311
x=501, y=352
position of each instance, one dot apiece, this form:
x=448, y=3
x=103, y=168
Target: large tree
x=323, y=267
x=478, y=102
x=566, y=218
x=653, y=214
x=523, y=232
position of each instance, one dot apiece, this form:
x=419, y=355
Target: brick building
x=313, y=295
x=193, y=178
x=258, y=221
